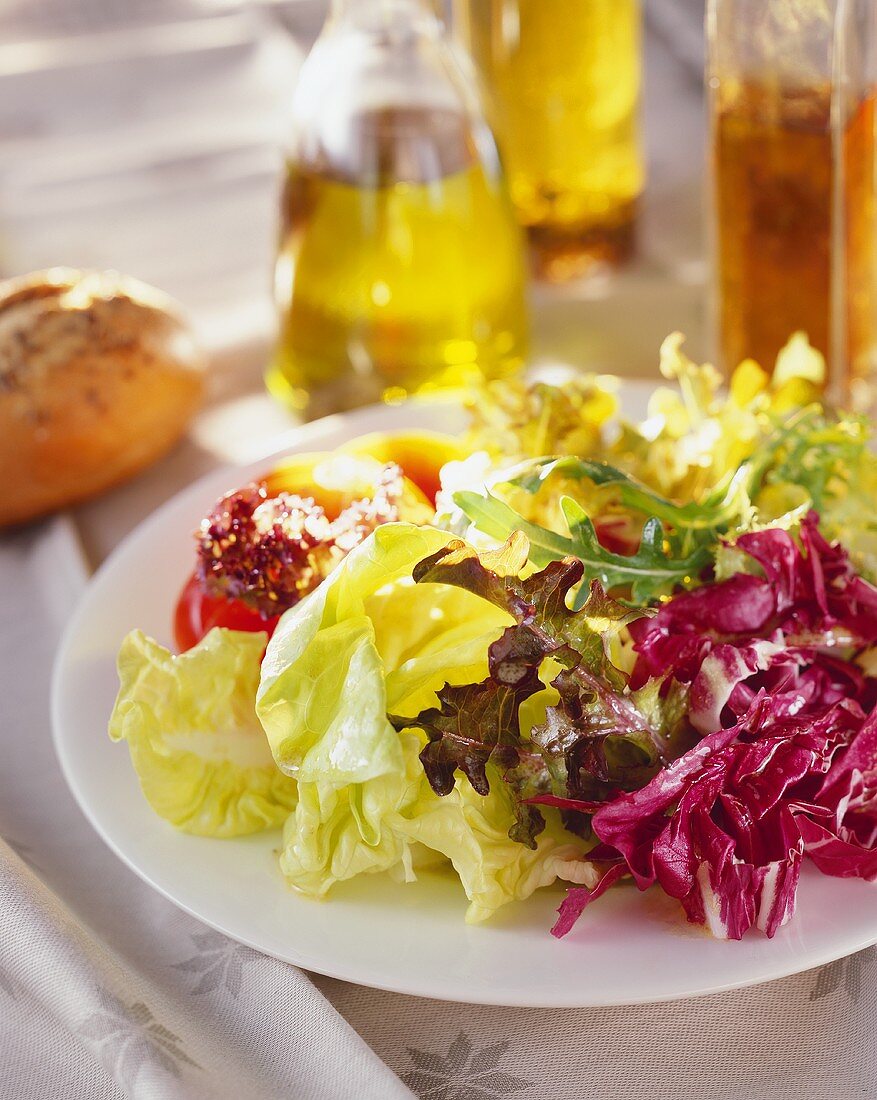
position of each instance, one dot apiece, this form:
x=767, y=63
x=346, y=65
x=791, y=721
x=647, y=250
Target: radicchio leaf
x=776, y=631
x=725, y=827
x=579, y=897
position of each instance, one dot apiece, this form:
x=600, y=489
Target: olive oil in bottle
x=563, y=77
x=400, y=266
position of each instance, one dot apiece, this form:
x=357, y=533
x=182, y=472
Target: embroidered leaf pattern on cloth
x=217, y=964
x=847, y=974
x=464, y=1073
x=128, y=1038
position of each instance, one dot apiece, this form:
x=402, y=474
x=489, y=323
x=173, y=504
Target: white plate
x=629, y=948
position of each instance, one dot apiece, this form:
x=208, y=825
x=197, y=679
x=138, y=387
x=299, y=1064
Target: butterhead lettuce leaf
x=321, y=698
x=369, y=641
x=339, y=832
x=396, y=823
x=472, y=831
x=196, y=744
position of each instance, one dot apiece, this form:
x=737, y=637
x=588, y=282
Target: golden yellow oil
x=563, y=77
x=400, y=269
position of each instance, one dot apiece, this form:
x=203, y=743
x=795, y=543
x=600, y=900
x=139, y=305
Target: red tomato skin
x=197, y=613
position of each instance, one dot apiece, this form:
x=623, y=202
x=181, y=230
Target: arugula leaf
x=649, y=573
x=729, y=500
x=717, y=510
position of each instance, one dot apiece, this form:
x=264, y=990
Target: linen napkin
x=106, y=989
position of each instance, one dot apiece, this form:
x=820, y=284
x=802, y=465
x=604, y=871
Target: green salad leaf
x=195, y=741
x=368, y=641
x=472, y=832
x=338, y=832
x=323, y=693
x=725, y=505
x=651, y=571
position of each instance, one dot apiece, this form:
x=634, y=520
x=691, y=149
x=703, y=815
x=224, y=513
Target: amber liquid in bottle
x=781, y=227
x=563, y=78
x=400, y=267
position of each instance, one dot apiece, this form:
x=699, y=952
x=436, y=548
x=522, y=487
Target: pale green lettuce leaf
x=336, y=833
x=429, y=634
x=472, y=832
x=368, y=641
x=394, y=823
x=322, y=698
x=196, y=744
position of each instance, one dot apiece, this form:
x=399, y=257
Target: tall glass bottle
x=564, y=83
x=400, y=266
x=792, y=89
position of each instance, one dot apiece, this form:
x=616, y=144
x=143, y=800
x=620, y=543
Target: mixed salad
x=566, y=647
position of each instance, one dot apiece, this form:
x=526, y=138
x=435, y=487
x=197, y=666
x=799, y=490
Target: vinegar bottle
x=400, y=266
x=792, y=92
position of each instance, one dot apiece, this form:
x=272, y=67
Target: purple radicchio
x=725, y=827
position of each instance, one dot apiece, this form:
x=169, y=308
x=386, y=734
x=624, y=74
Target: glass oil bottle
x=400, y=267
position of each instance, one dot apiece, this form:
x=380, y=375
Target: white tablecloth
x=107, y=990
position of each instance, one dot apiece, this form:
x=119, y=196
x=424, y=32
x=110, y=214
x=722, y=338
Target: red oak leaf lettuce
x=594, y=740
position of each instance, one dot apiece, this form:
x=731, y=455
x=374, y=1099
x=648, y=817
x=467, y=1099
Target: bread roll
x=99, y=377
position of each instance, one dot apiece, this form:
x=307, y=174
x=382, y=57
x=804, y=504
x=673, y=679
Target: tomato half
x=322, y=475
x=420, y=454
x=196, y=613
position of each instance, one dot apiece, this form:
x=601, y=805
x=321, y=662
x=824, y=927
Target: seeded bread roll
x=99, y=377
